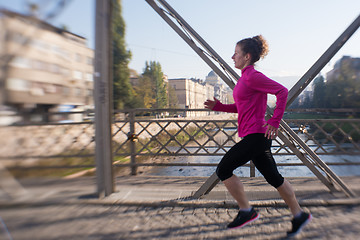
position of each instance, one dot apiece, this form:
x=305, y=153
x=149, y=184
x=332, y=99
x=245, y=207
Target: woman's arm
x=264, y=84
x=216, y=105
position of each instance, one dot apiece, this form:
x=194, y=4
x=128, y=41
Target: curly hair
x=256, y=46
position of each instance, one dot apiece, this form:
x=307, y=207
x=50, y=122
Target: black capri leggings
x=255, y=147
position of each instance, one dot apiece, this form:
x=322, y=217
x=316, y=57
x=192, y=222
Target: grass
x=347, y=128
x=314, y=116
x=173, y=138
x=50, y=167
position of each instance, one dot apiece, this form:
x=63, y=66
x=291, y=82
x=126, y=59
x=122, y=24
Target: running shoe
x=244, y=218
x=298, y=223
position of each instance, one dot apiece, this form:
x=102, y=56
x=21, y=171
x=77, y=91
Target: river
x=286, y=171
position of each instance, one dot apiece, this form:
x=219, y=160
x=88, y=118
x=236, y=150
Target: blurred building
x=350, y=63
x=192, y=93
x=43, y=67
x=221, y=92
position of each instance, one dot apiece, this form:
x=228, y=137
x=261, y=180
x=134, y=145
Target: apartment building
x=192, y=93
x=43, y=67
x=221, y=92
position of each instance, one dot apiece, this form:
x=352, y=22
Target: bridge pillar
x=103, y=98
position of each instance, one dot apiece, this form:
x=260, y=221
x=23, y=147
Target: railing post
x=132, y=140
x=252, y=169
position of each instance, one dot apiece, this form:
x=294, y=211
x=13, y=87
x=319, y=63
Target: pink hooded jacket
x=250, y=96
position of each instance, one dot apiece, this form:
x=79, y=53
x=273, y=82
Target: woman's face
x=241, y=60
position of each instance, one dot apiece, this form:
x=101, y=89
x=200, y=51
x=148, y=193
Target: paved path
x=146, y=207
x=84, y=221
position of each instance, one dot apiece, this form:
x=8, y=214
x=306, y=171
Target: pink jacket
x=250, y=96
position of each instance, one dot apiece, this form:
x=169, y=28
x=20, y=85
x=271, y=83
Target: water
x=286, y=171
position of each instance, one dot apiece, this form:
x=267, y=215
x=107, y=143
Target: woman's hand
x=271, y=132
x=210, y=104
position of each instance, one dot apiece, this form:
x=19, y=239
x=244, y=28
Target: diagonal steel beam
x=201, y=41
x=184, y=35
x=295, y=91
x=316, y=161
x=306, y=79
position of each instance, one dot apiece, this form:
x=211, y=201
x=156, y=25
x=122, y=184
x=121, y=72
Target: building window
x=37, y=91
x=89, y=60
x=38, y=44
x=78, y=75
x=89, y=77
x=66, y=91
x=50, y=88
x=55, y=68
x=65, y=72
x=19, y=38
x=78, y=57
x=17, y=84
x=20, y=62
x=55, y=49
x=65, y=54
x=90, y=92
x=40, y=65
x=78, y=92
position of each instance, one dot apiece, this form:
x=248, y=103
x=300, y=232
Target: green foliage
x=152, y=90
x=340, y=132
x=344, y=90
x=144, y=92
x=174, y=137
x=340, y=91
x=54, y=167
x=319, y=92
x=123, y=92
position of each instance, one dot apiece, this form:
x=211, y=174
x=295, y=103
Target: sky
x=298, y=32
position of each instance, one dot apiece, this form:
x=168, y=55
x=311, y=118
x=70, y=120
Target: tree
x=343, y=90
x=319, y=92
x=144, y=94
x=123, y=92
x=155, y=75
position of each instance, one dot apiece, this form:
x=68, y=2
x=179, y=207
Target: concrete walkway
x=150, y=207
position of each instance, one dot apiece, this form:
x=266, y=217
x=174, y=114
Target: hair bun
x=263, y=46
x=256, y=46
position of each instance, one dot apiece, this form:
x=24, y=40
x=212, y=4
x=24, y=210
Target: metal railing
x=171, y=132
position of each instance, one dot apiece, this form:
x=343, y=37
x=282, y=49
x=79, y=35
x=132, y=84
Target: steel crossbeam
x=227, y=74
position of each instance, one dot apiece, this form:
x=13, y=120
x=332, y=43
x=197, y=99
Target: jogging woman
x=250, y=96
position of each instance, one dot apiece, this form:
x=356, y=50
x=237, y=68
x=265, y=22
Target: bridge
x=197, y=139
x=127, y=141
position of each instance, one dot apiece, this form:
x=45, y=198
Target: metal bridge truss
x=229, y=76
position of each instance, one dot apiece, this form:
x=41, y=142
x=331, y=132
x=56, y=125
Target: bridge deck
x=149, y=207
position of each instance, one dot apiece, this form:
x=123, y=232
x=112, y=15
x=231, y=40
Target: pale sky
x=298, y=32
